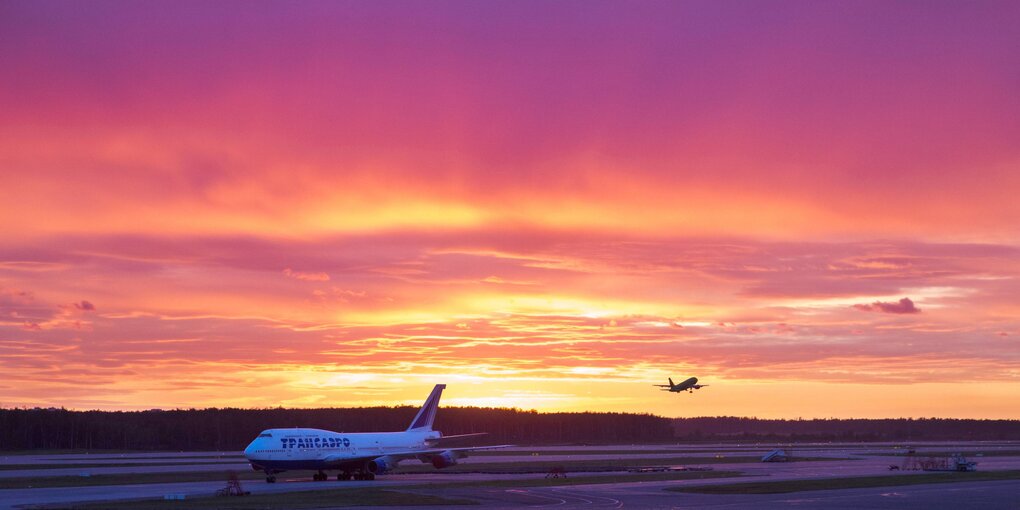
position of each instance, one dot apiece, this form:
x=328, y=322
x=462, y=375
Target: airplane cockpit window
x=265, y=434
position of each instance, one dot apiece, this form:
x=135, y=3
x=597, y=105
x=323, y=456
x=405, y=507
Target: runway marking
x=522, y=492
x=562, y=497
x=590, y=502
x=614, y=502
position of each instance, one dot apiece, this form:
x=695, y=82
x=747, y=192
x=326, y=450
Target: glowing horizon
x=811, y=207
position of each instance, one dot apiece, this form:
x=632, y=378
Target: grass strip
x=298, y=500
x=87, y=465
x=592, y=465
x=590, y=480
x=725, y=450
x=382, y=497
x=573, y=466
x=856, y=482
x=539, y=453
x=146, y=454
x=969, y=454
x=124, y=479
x=6, y=453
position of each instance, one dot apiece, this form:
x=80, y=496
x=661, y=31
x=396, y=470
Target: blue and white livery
x=360, y=456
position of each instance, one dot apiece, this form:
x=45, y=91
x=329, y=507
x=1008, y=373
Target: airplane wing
x=662, y=385
x=699, y=386
x=423, y=455
x=459, y=436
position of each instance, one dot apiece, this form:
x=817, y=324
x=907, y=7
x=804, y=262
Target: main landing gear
x=341, y=476
x=344, y=475
x=357, y=475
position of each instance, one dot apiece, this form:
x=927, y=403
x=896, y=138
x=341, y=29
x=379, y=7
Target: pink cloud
x=306, y=276
x=662, y=186
x=650, y=91
x=902, y=306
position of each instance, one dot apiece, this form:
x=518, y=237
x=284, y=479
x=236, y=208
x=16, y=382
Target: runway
x=867, y=460
x=983, y=495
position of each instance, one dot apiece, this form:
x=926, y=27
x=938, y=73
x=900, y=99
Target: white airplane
x=360, y=456
x=688, y=385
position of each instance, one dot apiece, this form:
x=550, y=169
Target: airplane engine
x=445, y=459
x=380, y=465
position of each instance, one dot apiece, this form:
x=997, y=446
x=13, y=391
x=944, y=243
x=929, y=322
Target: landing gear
x=270, y=478
x=364, y=475
x=345, y=475
x=320, y=477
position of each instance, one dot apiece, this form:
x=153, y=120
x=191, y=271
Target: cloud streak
x=595, y=309
x=207, y=208
x=306, y=276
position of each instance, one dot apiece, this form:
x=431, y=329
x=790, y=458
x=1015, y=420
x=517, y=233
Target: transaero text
x=315, y=442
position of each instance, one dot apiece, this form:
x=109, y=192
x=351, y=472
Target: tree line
x=231, y=429
x=832, y=429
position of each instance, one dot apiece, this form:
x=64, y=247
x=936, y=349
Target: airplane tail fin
x=427, y=414
x=670, y=381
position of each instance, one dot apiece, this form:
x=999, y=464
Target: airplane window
x=265, y=434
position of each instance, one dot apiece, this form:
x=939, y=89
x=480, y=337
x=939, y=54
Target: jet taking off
x=359, y=456
x=688, y=385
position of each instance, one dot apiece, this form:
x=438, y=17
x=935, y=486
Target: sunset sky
x=814, y=207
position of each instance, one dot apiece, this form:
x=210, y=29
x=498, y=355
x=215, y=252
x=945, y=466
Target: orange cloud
x=647, y=191
x=594, y=310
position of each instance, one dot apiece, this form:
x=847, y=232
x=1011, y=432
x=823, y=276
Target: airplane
x=360, y=456
x=688, y=385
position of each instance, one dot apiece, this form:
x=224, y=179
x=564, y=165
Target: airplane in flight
x=688, y=385
x=360, y=456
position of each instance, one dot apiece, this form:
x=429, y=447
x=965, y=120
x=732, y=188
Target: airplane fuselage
x=685, y=385
x=316, y=449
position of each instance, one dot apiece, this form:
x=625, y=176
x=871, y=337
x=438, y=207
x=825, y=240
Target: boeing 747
x=360, y=456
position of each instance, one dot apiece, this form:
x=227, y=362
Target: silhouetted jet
x=689, y=385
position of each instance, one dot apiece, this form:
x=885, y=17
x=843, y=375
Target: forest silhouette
x=231, y=429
